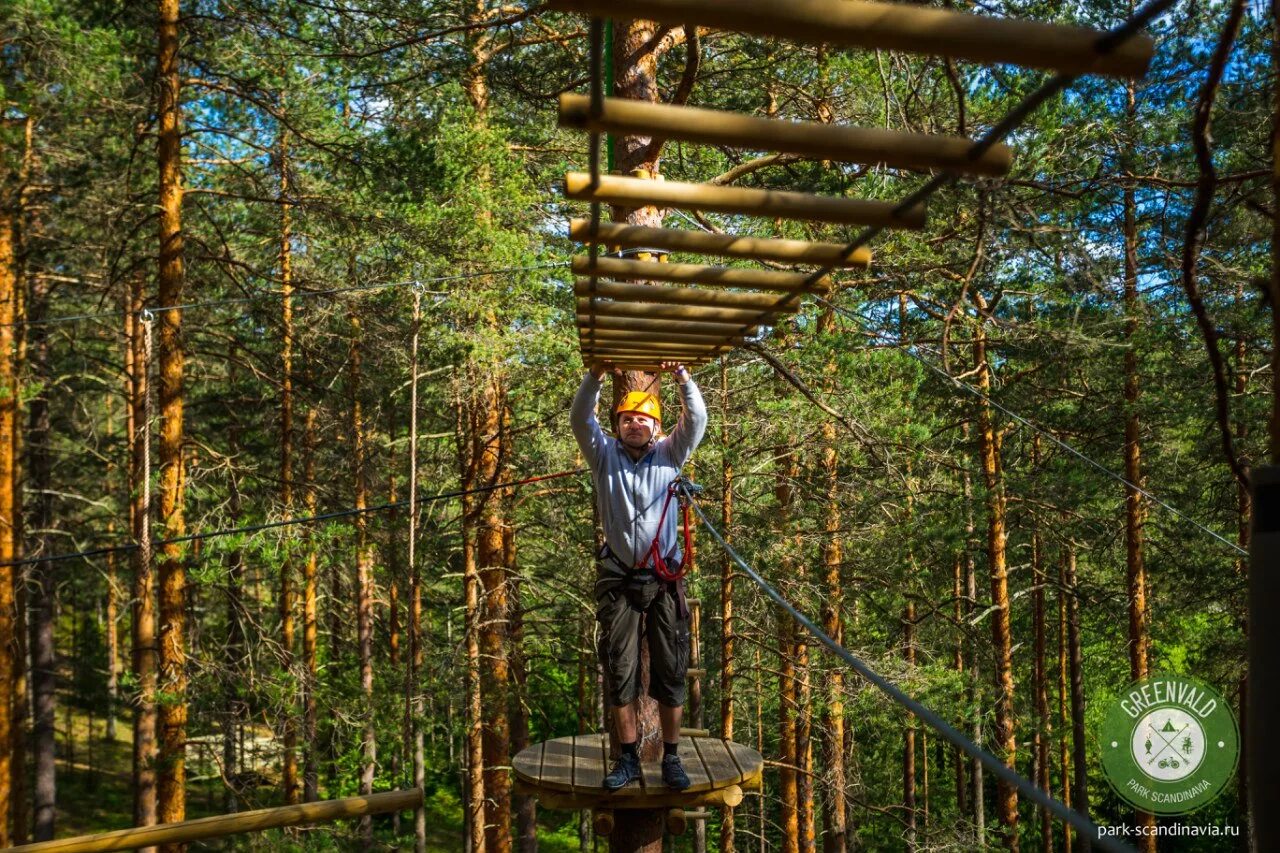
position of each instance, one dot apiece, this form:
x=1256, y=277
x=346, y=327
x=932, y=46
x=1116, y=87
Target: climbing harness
x=683, y=489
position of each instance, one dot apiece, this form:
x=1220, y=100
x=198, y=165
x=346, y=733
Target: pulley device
x=683, y=489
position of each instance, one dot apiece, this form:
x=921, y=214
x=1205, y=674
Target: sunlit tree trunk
x=474, y=793
x=311, y=765
x=1001, y=634
x=788, y=787
x=1064, y=720
x=9, y=667
x=171, y=571
x=909, y=733
x=1039, y=670
x=364, y=574
x=727, y=623
x=1075, y=653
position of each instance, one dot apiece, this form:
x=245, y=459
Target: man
x=632, y=475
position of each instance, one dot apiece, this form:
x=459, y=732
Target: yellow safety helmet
x=642, y=402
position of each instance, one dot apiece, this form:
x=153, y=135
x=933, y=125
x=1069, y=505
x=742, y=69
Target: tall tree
x=171, y=571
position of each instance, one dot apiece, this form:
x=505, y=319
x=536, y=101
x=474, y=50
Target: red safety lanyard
x=660, y=567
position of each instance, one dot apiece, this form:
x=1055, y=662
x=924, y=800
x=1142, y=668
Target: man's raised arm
x=582, y=416
x=693, y=418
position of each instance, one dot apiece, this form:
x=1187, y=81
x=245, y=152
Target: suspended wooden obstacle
x=220, y=826
x=724, y=245
x=897, y=26
x=810, y=138
x=567, y=773
x=772, y=204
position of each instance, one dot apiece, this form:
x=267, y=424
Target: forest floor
x=94, y=795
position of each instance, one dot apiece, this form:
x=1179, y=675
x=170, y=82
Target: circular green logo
x=1169, y=744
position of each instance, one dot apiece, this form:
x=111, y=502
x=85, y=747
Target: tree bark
x=42, y=580
x=909, y=732
x=788, y=788
x=1001, y=633
x=364, y=576
x=977, y=798
x=1064, y=760
x=144, y=611
x=1134, y=504
x=474, y=793
x=289, y=762
x=1078, y=756
x=9, y=667
x=1039, y=670
x=171, y=571
x=727, y=623
x=311, y=764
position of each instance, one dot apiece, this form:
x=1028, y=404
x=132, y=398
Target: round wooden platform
x=568, y=772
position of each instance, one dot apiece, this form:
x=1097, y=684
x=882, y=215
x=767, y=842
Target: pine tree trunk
x=487, y=428
x=834, y=839
x=1078, y=756
x=171, y=572
x=786, y=632
x=958, y=613
x=1135, y=506
x=1244, y=511
x=414, y=706
x=9, y=667
x=42, y=582
x=526, y=807
x=474, y=793
x=1064, y=760
x=977, y=798
x=311, y=764
x=1039, y=676
x=364, y=577
x=143, y=605
x=236, y=709
x=909, y=733
x=1001, y=634
x=727, y=623
x=289, y=761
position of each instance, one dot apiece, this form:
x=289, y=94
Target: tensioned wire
x=288, y=522
x=1086, y=827
x=299, y=294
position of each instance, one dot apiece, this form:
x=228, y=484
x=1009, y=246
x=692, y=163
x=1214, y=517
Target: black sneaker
x=673, y=773
x=626, y=771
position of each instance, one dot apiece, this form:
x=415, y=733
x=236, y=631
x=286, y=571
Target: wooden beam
x=587, y=333
x=674, y=326
x=652, y=311
x=605, y=352
x=727, y=245
x=897, y=26
x=230, y=824
x=622, y=268
x=677, y=295
x=656, y=346
x=809, y=138
x=633, y=798
x=639, y=192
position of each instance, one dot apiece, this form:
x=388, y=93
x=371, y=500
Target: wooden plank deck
x=579, y=763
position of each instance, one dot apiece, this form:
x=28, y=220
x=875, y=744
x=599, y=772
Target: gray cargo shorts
x=630, y=611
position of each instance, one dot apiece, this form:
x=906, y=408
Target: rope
x=953, y=381
x=288, y=522
x=1082, y=823
x=333, y=291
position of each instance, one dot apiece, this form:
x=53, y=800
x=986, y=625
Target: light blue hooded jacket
x=630, y=494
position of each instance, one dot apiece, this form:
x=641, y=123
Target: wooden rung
x=589, y=334
x=897, y=26
x=728, y=245
x=698, y=815
x=676, y=295
x=622, y=268
x=640, y=192
x=608, y=353
x=638, y=324
x=671, y=312
x=693, y=602
x=655, y=349
x=696, y=672
x=813, y=139
x=691, y=732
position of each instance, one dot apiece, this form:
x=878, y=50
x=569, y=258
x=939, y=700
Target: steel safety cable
x=1063, y=812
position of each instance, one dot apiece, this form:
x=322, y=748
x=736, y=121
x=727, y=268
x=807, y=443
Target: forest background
x=320, y=185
